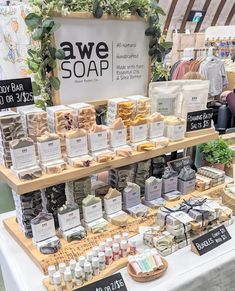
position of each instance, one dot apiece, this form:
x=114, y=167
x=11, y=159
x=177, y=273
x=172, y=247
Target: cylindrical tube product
x=132, y=244
x=72, y=264
x=62, y=268
x=68, y=279
x=146, y=263
x=123, y=246
x=125, y=236
x=102, y=247
x=116, y=251
x=141, y=265
x=57, y=281
x=109, y=242
x=117, y=238
x=101, y=257
x=88, y=271
x=79, y=276
x=51, y=272
x=108, y=256
x=152, y=261
x=134, y=265
x=157, y=258
x=89, y=257
x=95, y=251
x=81, y=262
x=95, y=266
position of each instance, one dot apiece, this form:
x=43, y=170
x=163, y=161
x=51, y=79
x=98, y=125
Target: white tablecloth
x=214, y=271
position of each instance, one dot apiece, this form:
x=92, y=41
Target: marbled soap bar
x=85, y=115
x=141, y=105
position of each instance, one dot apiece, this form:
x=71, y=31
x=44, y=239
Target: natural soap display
x=113, y=208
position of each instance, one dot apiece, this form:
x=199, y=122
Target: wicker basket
x=148, y=276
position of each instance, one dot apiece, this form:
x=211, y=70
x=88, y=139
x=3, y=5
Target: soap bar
x=37, y=124
x=98, y=128
x=119, y=220
x=141, y=105
x=105, y=157
x=90, y=200
x=48, y=137
x=118, y=124
x=139, y=120
x=54, y=167
x=125, y=151
x=112, y=193
x=155, y=117
x=29, y=173
x=147, y=146
x=85, y=115
x=131, y=195
x=20, y=143
x=76, y=133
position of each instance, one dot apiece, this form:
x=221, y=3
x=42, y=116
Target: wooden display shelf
x=76, y=173
x=77, y=248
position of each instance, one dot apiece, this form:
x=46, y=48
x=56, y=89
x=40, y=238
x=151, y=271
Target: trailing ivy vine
x=42, y=55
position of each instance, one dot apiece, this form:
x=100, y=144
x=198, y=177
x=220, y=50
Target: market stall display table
x=214, y=270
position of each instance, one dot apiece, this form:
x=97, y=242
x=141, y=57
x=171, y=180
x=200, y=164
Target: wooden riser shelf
x=77, y=173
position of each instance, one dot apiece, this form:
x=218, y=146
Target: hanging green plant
x=42, y=55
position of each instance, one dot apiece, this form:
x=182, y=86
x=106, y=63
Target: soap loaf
x=119, y=177
x=85, y=115
x=142, y=174
x=141, y=105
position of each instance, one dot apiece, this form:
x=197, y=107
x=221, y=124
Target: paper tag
x=118, y=137
x=49, y=150
x=131, y=199
x=153, y=191
x=137, y=208
x=203, y=207
x=166, y=106
x=98, y=141
x=138, y=133
x=23, y=157
x=43, y=230
x=113, y=205
x=156, y=129
x=69, y=220
x=175, y=132
x=182, y=217
x=77, y=146
x=213, y=205
x=92, y=212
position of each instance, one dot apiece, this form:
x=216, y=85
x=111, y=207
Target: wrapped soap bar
x=141, y=105
x=153, y=188
x=131, y=195
x=84, y=115
x=169, y=181
x=202, y=183
x=117, y=134
x=76, y=143
x=155, y=125
x=125, y=151
x=186, y=180
x=98, y=138
x=138, y=129
x=142, y=173
x=174, y=128
x=118, y=177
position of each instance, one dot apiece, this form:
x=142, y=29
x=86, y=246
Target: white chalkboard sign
x=104, y=58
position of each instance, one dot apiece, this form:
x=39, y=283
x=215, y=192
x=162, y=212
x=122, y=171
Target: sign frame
x=56, y=99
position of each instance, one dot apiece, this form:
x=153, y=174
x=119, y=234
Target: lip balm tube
x=157, y=259
x=95, y=266
x=72, y=264
x=123, y=247
x=141, y=265
x=81, y=262
x=95, y=251
x=134, y=265
x=116, y=251
x=102, y=247
x=109, y=242
x=62, y=268
x=125, y=236
x=146, y=263
x=88, y=271
x=101, y=257
x=89, y=257
x=108, y=256
x=51, y=271
x=152, y=261
x=132, y=244
x=68, y=279
x=117, y=238
x=57, y=281
x=78, y=276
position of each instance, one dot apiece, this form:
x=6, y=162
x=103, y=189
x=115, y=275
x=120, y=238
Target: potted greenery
x=217, y=153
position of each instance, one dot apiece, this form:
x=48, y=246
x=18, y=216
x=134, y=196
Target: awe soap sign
x=199, y=120
x=103, y=58
x=15, y=93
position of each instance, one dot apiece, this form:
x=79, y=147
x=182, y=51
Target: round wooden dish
x=148, y=276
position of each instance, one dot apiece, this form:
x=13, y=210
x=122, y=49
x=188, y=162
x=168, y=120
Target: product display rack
x=76, y=173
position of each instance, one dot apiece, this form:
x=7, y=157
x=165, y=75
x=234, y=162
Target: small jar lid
x=62, y=267
x=108, y=251
x=89, y=256
x=117, y=238
x=102, y=246
x=95, y=251
x=67, y=275
x=116, y=247
x=57, y=278
x=51, y=270
x=125, y=235
x=123, y=244
x=81, y=261
x=72, y=264
x=78, y=271
x=87, y=267
x=101, y=256
x=109, y=242
x=95, y=262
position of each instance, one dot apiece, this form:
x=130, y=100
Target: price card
x=44, y=230
x=138, y=133
x=118, y=137
x=77, y=146
x=49, y=150
x=111, y=283
x=182, y=217
x=156, y=129
x=24, y=157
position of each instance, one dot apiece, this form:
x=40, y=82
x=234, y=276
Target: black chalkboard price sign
x=210, y=240
x=15, y=93
x=199, y=120
x=111, y=283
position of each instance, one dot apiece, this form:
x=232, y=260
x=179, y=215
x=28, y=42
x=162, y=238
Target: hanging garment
x=181, y=70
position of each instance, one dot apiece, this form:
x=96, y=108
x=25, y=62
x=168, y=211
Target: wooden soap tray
x=114, y=267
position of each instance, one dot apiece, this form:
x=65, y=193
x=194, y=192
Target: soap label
x=112, y=205
x=170, y=184
x=182, y=217
x=23, y=157
x=44, y=230
x=118, y=137
x=49, y=150
x=92, y=212
x=98, y=141
x=175, y=132
x=131, y=199
x=137, y=208
x=153, y=192
x=156, y=129
x=69, y=220
x=166, y=106
x=138, y=133
x=77, y=146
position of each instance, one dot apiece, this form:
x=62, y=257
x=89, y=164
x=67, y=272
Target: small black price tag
x=15, y=93
x=210, y=240
x=199, y=120
x=111, y=283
